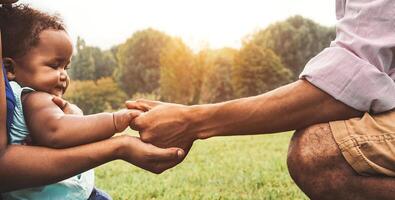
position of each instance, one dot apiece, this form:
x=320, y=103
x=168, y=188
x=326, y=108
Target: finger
x=169, y=154
x=137, y=105
x=149, y=102
x=142, y=104
x=133, y=126
x=135, y=113
x=136, y=123
x=59, y=102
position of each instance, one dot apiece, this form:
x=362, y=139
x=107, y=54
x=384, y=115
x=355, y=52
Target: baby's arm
x=50, y=127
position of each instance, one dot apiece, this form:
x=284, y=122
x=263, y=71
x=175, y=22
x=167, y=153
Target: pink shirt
x=358, y=68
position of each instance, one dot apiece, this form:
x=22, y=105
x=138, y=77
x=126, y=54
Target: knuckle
x=138, y=122
x=146, y=137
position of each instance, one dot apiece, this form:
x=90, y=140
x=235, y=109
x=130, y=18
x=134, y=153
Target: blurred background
x=194, y=52
x=188, y=51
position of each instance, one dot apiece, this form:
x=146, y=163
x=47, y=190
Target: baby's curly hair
x=21, y=26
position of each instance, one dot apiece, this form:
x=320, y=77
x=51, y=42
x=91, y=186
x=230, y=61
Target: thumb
x=169, y=154
x=59, y=102
x=148, y=102
x=133, y=113
x=142, y=104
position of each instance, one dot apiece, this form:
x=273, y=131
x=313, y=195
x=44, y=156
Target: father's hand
x=163, y=124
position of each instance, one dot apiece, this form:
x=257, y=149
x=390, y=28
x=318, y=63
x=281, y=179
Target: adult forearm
x=28, y=166
x=3, y=112
x=290, y=107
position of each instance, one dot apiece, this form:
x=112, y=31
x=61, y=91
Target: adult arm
x=3, y=106
x=359, y=66
x=290, y=107
x=51, y=127
x=29, y=166
x=358, y=69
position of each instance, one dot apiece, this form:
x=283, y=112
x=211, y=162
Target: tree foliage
x=95, y=96
x=257, y=70
x=178, y=73
x=295, y=40
x=90, y=63
x=217, y=84
x=154, y=65
x=139, y=61
x=82, y=64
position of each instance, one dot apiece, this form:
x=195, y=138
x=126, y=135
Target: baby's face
x=43, y=68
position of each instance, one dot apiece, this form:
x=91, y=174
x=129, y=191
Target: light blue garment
x=75, y=188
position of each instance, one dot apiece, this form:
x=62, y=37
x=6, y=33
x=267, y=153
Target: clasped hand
x=132, y=149
x=163, y=124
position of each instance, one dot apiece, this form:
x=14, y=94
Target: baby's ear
x=9, y=65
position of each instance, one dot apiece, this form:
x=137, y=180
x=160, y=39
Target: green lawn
x=249, y=167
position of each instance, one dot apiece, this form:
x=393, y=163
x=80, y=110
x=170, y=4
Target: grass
x=248, y=167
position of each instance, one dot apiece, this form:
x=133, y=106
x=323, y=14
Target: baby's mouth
x=61, y=88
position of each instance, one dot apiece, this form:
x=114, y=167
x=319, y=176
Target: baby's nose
x=63, y=77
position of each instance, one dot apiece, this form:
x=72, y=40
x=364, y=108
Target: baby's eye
x=54, y=65
x=67, y=67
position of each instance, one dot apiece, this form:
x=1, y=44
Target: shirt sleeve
x=358, y=67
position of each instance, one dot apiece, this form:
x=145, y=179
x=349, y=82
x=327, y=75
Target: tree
x=177, y=73
x=105, y=63
x=90, y=63
x=95, y=96
x=295, y=40
x=82, y=64
x=217, y=86
x=257, y=70
x=139, y=61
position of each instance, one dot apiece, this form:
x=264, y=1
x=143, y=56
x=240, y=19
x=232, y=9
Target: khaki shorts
x=368, y=143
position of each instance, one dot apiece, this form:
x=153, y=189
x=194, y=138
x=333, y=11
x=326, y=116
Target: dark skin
x=317, y=166
x=42, y=165
x=44, y=68
x=291, y=107
x=8, y=1
x=314, y=161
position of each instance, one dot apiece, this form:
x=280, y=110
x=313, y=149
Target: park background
x=153, y=63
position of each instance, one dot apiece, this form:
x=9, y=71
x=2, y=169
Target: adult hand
x=148, y=156
x=66, y=107
x=163, y=124
x=123, y=118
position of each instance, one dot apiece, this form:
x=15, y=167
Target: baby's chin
x=57, y=92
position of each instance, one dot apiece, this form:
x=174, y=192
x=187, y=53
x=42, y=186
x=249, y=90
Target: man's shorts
x=368, y=143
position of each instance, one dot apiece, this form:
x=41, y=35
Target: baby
x=37, y=52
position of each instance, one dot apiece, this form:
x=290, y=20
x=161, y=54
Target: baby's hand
x=122, y=118
x=66, y=107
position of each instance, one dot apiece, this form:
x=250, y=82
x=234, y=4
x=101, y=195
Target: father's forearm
x=290, y=107
x=3, y=110
x=28, y=166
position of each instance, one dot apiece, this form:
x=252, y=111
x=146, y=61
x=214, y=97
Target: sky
x=200, y=23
